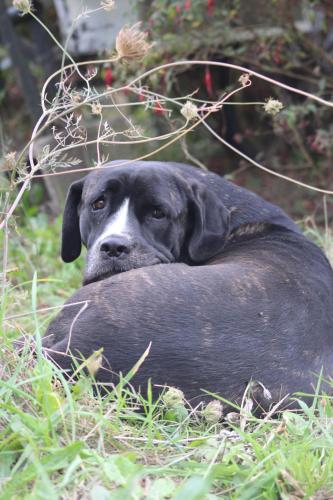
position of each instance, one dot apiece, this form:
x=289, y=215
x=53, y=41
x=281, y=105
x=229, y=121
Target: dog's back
x=262, y=311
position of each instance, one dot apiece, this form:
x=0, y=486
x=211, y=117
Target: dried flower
x=131, y=43
x=96, y=108
x=76, y=97
x=108, y=5
x=213, y=412
x=244, y=79
x=173, y=397
x=273, y=106
x=10, y=161
x=189, y=111
x=233, y=418
x=24, y=6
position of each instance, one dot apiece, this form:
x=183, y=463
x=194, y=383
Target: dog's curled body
x=262, y=310
x=153, y=212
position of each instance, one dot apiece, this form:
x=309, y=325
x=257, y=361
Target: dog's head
x=139, y=215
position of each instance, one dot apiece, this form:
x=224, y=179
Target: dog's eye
x=98, y=204
x=157, y=213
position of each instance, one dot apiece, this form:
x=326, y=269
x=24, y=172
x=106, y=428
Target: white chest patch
x=118, y=224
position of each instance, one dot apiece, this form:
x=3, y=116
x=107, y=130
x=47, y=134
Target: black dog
x=241, y=293
x=152, y=213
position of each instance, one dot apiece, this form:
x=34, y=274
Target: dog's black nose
x=115, y=246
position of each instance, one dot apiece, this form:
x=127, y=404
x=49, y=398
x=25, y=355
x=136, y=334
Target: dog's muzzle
x=115, y=247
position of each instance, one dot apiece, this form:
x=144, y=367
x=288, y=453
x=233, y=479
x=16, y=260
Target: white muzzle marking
x=118, y=225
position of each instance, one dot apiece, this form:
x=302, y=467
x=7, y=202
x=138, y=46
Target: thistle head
x=213, y=412
x=131, y=43
x=173, y=397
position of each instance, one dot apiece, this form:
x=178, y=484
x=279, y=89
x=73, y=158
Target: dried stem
x=60, y=110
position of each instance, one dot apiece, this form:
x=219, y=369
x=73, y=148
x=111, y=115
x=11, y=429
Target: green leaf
x=195, y=488
x=55, y=460
x=161, y=488
x=176, y=414
x=119, y=469
x=98, y=492
x=6, y=462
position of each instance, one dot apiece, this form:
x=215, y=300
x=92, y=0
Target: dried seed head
x=108, y=5
x=24, y=6
x=96, y=108
x=173, y=397
x=131, y=44
x=213, y=412
x=76, y=97
x=273, y=106
x=189, y=111
x=244, y=79
x=10, y=161
x=233, y=418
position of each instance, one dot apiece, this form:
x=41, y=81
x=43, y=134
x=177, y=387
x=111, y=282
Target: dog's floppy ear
x=71, y=237
x=210, y=222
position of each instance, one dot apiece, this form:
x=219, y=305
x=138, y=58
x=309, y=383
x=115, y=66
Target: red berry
x=210, y=7
x=158, y=108
x=108, y=77
x=208, y=82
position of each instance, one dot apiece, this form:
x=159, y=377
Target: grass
x=61, y=441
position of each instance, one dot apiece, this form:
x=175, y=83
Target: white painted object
x=94, y=32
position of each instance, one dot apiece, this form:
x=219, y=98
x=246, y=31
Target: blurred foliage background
x=290, y=41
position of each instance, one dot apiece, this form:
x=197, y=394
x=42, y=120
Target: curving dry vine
x=77, y=99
